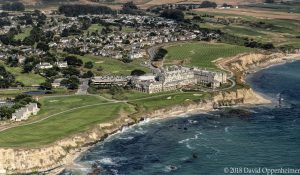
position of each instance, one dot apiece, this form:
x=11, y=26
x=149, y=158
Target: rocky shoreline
x=61, y=154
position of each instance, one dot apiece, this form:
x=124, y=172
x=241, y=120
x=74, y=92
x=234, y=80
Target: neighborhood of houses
x=130, y=37
x=145, y=31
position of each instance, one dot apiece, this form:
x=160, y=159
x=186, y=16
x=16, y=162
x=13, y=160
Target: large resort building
x=170, y=78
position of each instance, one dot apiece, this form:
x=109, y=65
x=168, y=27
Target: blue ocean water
x=205, y=144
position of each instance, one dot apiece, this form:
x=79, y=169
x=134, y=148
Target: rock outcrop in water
x=22, y=160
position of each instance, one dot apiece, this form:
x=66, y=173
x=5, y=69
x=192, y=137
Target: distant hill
x=117, y=4
x=140, y=2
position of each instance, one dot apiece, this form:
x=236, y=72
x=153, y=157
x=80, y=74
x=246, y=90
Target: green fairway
x=53, y=105
x=168, y=99
x=66, y=115
x=201, y=54
x=24, y=34
x=60, y=126
x=28, y=79
x=113, y=66
x=74, y=114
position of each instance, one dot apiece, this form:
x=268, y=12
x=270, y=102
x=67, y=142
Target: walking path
x=110, y=101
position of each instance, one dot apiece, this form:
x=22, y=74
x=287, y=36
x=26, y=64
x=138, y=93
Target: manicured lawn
x=201, y=54
x=165, y=100
x=24, y=34
x=53, y=105
x=74, y=114
x=60, y=126
x=92, y=110
x=94, y=28
x=14, y=92
x=113, y=66
x=28, y=79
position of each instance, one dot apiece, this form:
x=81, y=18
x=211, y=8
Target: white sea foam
x=114, y=171
x=192, y=121
x=170, y=168
x=126, y=138
x=107, y=161
x=226, y=129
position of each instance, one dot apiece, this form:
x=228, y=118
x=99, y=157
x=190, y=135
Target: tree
x=46, y=85
x=71, y=83
x=14, y=6
x=174, y=14
x=24, y=99
x=6, y=78
x=5, y=112
x=84, y=9
x=71, y=71
x=73, y=61
x=88, y=74
x=161, y=53
x=126, y=59
x=27, y=68
x=269, y=1
x=89, y=65
x=50, y=72
x=138, y=72
x=208, y=4
x=43, y=46
x=130, y=8
x=116, y=90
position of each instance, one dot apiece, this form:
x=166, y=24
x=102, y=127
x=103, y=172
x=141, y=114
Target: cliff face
x=14, y=160
x=249, y=61
x=61, y=152
x=240, y=96
x=51, y=156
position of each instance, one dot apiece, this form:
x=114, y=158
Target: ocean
x=238, y=140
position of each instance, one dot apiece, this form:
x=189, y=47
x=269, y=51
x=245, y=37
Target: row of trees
x=13, y=6
x=7, y=79
x=81, y=9
x=174, y=14
x=232, y=39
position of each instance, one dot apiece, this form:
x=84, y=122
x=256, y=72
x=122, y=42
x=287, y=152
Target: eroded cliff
x=17, y=160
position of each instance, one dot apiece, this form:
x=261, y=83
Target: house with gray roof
x=25, y=112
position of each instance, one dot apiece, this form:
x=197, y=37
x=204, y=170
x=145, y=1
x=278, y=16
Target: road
x=83, y=87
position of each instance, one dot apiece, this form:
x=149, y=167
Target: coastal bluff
x=62, y=152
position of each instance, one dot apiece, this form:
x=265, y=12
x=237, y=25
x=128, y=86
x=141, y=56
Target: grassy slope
x=113, y=66
x=202, y=54
x=27, y=79
x=284, y=31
